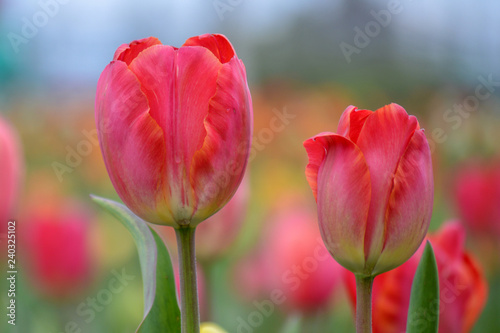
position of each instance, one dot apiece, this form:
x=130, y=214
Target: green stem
x=190, y=314
x=364, y=304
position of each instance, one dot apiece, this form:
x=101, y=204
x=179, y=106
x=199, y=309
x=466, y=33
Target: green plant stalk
x=364, y=286
x=190, y=313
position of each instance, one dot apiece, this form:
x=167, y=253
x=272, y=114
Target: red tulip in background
x=57, y=247
x=293, y=260
x=373, y=184
x=221, y=230
x=10, y=172
x=175, y=127
x=477, y=197
x=463, y=287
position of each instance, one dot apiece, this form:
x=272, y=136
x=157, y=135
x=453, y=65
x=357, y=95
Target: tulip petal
x=478, y=295
x=451, y=240
x=343, y=200
x=125, y=128
x=128, y=52
x=409, y=206
x=179, y=85
x=218, y=44
x=383, y=140
x=352, y=121
x=316, y=149
x=218, y=166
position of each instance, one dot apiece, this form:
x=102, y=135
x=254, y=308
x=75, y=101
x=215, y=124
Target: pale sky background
x=78, y=42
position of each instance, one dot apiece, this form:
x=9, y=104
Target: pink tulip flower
x=175, y=127
x=57, y=249
x=292, y=268
x=477, y=197
x=373, y=184
x=10, y=172
x=299, y=264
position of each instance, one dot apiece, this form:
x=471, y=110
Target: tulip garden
x=184, y=196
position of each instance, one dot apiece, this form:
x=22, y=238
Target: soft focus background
x=306, y=62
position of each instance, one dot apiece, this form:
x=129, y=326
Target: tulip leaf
x=161, y=310
x=423, y=314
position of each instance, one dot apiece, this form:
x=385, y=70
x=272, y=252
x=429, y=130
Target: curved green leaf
x=423, y=314
x=161, y=310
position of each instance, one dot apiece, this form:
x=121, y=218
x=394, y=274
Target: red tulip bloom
x=10, y=172
x=373, y=184
x=294, y=263
x=58, y=252
x=463, y=288
x=477, y=195
x=175, y=127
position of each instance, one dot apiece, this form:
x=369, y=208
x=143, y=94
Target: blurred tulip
x=374, y=188
x=477, y=197
x=221, y=230
x=294, y=261
x=11, y=169
x=211, y=328
x=175, y=127
x=218, y=232
x=463, y=288
x=58, y=251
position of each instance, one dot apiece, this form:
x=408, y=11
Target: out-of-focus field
x=79, y=267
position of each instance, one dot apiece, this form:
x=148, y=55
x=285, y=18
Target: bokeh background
x=306, y=62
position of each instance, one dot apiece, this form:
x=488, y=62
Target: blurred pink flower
x=293, y=262
x=11, y=170
x=218, y=232
x=57, y=250
x=477, y=197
